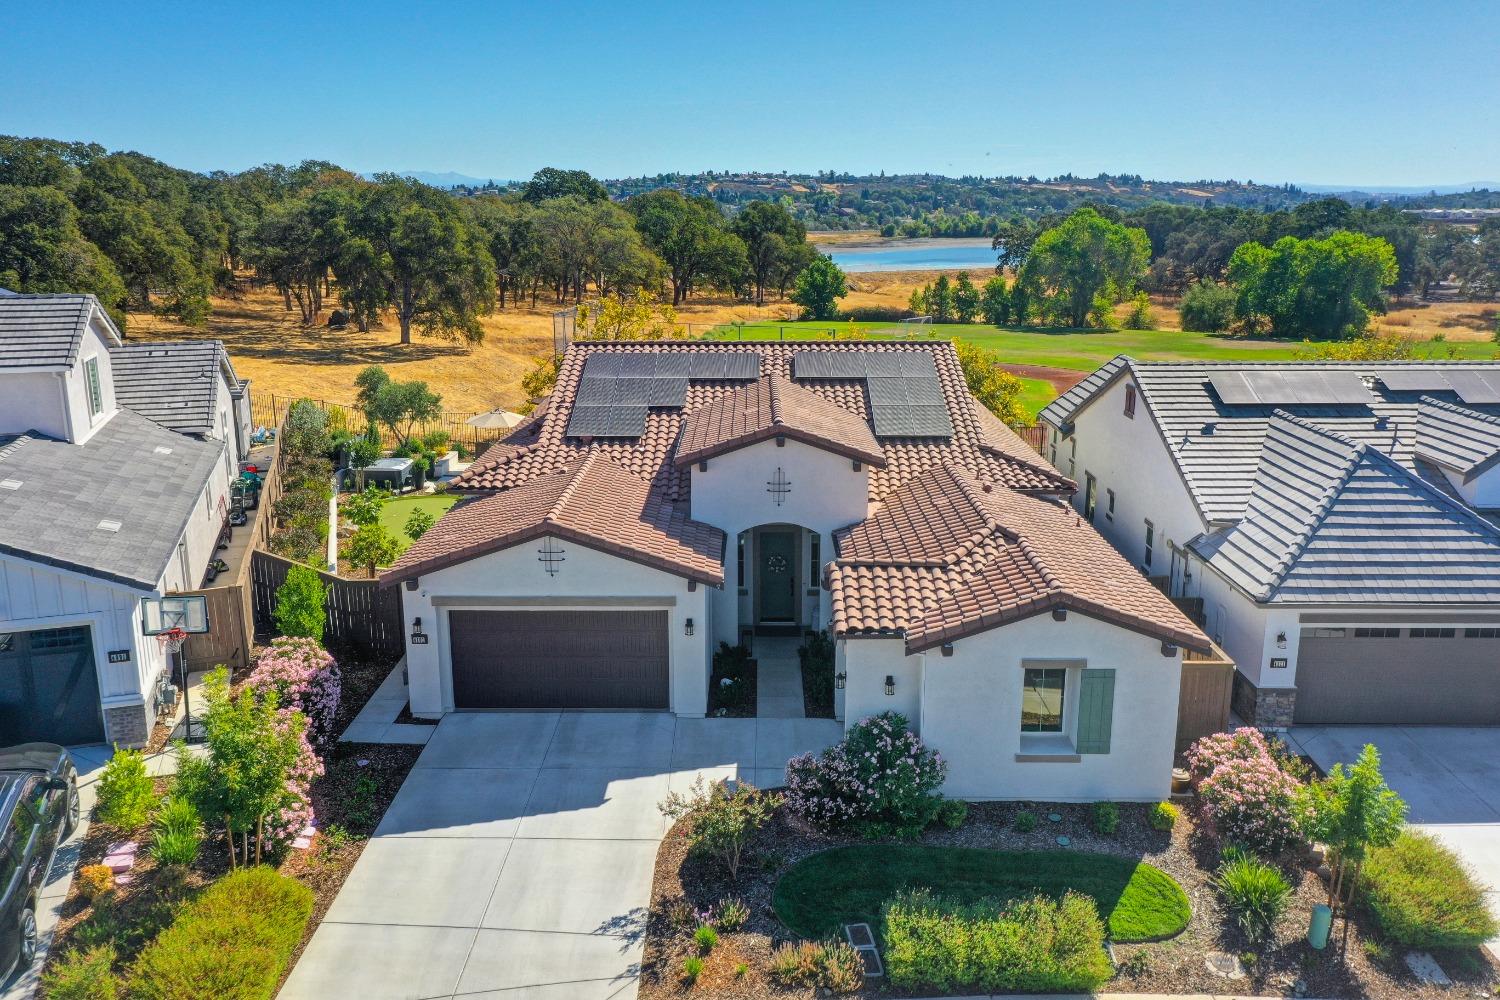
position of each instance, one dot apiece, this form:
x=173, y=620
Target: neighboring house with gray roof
x=109, y=493
x=1334, y=520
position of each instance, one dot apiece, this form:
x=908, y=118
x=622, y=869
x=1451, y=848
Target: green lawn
x=823, y=892
x=394, y=514
x=1082, y=350
x=1035, y=394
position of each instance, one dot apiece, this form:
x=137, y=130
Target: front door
x=778, y=576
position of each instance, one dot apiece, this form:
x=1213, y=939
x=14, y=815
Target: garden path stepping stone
x=1223, y=964
x=862, y=940
x=1054, y=817
x=1063, y=841
x=1425, y=968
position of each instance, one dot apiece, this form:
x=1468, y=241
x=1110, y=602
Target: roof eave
x=762, y=434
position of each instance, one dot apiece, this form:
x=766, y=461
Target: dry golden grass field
x=281, y=357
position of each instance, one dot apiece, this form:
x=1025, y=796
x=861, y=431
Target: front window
x=1130, y=401
x=1090, y=496
x=1042, y=700
x=1109, y=505
x=740, y=562
x=1073, y=459
x=96, y=394
x=1150, y=542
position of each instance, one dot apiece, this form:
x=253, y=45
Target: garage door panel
x=559, y=659
x=1398, y=681
x=49, y=687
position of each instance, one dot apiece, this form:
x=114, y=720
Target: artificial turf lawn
x=395, y=512
x=821, y=893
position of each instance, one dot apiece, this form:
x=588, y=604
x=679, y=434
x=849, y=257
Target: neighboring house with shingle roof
x=1334, y=519
x=105, y=498
x=673, y=496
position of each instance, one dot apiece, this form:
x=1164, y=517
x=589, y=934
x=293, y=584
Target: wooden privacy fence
x=362, y=615
x=1203, y=705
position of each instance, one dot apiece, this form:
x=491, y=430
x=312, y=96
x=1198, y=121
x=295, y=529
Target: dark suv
x=38, y=810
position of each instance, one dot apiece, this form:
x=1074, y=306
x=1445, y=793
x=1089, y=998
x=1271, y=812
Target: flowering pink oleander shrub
x=297, y=811
x=304, y=677
x=1245, y=794
x=880, y=781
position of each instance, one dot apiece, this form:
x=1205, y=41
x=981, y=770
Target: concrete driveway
x=1449, y=776
x=517, y=859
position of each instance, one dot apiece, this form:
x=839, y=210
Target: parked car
x=38, y=810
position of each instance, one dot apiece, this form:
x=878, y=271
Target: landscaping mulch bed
x=359, y=782
x=687, y=885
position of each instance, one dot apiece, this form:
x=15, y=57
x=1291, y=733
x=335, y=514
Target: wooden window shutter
x=1096, y=709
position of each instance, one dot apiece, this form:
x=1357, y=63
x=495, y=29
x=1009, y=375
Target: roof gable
x=46, y=331
x=173, y=383
x=1463, y=440
x=771, y=407
x=592, y=501
x=1334, y=520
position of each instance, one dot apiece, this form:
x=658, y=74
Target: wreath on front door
x=776, y=564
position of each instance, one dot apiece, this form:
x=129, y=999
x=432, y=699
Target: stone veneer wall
x=1264, y=708
x=126, y=726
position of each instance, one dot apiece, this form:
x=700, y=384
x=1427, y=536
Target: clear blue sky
x=1372, y=93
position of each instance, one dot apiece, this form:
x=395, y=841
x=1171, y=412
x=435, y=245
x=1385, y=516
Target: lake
x=911, y=255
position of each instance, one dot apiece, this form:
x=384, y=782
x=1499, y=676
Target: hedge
x=1422, y=896
x=231, y=943
x=1037, y=945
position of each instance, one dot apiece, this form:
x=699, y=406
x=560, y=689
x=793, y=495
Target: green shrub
x=231, y=943
x=692, y=968
x=1105, y=819
x=706, y=938
x=178, y=832
x=1255, y=893
x=1207, y=307
x=831, y=965
x=1422, y=896
x=880, y=781
x=1033, y=945
x=1163, y=816
x=125, y=791
x=82, y=974
x=1025, y=821
x=816, y=658
x=299, y=604
x=1139, y=317
x=721, y=821
x=731, y=914
x=952, y=813
x=731, y=683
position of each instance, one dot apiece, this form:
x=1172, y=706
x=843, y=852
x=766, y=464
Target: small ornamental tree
x=417, y=524
x=299, y=604
x=879, y=781
x=372, y=546
x=1351, y=812
x=301, y=675
x=364, y=508
x=721, y=821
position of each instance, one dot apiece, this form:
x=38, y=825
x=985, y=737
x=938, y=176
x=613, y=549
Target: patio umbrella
x=495, y=418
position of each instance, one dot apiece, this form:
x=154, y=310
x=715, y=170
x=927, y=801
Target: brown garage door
x=559, y=659
x=1445, y=681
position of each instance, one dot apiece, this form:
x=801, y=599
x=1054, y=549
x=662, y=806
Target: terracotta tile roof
x=590, y=500
x=975, y=444
x=769, y=407
x=950, y=555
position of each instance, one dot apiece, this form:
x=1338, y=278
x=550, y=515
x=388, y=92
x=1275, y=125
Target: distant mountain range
x=441, y=179
x=1398, y=190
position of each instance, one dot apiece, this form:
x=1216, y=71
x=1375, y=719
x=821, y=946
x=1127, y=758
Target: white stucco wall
x=200, y=534
x=585, y=573
x=34, y=401
x=1127, y=455
x=826, y=493
x=1483, y=491
x=970, y=708
x=95, y=346
x=1247, y=631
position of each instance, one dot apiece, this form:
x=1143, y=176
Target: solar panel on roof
x=742, y=364
x=1475, y=387
x=676, y=364
x=911, y=420
x=1415, y=380
x=706, y=365
x=830, y=364
x=660, y=391
x=602, y=364
x=883, y=363
x=926, y=390
x=1289, y=388
x=607, y=421
x=1232, y=388
x=887, y=390
x=1348, y=388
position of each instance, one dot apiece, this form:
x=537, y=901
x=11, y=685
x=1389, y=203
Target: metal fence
x=269, y=410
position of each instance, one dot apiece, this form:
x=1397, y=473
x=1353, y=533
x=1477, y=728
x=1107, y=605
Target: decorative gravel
x=686, y=886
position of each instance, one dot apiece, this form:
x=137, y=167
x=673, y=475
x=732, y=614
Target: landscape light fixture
x=890, y=684
x=418, y=637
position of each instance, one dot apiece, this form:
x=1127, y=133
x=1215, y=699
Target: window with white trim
x=96, y=392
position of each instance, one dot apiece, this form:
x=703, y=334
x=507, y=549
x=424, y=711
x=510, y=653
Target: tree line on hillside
x=142, y=235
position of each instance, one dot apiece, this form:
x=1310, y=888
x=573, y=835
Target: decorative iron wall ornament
x=551, y=556
x=779, y=486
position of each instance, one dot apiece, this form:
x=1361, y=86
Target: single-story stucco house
x=668, y=497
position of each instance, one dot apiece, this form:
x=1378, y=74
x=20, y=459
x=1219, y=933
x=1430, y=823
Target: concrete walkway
x=778, y=681
x=376, y=722
x=516, y=861
x=1448, y=775
x=90, y=761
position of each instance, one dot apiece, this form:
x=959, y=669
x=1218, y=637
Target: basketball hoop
x=170, y=620
x=172, y=639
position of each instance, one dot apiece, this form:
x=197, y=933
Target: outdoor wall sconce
x=418, y=637
x=890, y=684
x=687, y=627
x=412, y=584
x=1281, y=640
x=781, y=440
x=1168, y=649
x=947, y=649
x=839, y=680
x=703, y=465
x=858, y=465
x=1059, y=614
